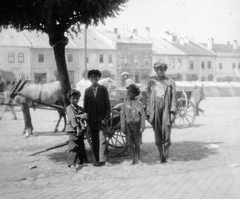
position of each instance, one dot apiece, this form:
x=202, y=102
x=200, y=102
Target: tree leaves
x=56, y=15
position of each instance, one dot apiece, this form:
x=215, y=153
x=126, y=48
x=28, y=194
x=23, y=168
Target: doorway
x=40, y=78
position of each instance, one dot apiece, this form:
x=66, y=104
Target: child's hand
x=173, y=117
x=105, y=122
x=79, y=132
x=82, y=116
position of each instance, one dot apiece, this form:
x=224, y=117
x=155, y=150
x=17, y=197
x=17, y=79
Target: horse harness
x=19, y=86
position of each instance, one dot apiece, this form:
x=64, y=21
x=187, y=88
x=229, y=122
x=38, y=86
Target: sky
x=197, y=19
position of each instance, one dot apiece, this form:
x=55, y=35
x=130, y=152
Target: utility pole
x=85, y=50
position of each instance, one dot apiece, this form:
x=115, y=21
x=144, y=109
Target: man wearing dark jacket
x=97, y=106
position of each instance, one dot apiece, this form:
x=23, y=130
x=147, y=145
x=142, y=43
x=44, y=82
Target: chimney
x=135, y=31
x=228, y=42
x=147, y=32
x=181, y=41
x=171, y=37
x=166, y=33
x=115, y=30
x=235, y=45
x=210, y=44
x=186, y=40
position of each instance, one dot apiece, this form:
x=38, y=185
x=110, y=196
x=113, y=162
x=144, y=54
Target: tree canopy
x=56, y=17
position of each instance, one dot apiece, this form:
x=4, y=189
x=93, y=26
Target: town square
x=119, y=99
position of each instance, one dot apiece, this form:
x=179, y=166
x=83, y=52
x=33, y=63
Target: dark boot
x=166, y=152
x=161, y=156
x=132, y=152
x=137, y=152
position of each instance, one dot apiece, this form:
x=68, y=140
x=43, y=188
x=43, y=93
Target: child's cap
x=95, y=72
x=160, y=65
x=134, y=88
x=73, y=92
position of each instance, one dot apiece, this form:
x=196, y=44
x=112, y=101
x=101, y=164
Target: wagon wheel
x=185, y=113
x=116, y=138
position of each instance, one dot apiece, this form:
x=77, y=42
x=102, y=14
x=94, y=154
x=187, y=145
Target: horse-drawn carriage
x=116, y=139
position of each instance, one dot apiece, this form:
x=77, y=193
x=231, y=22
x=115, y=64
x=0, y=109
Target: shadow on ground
x=179, y=151
x=191, y=126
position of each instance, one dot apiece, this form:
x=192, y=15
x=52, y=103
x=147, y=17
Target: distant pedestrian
x=133, y=121
x=127, y=79
x=97, y=106
x=161, y=108
x=2, y=84
x=75, y=127
x=8, y=100
x=198, y=96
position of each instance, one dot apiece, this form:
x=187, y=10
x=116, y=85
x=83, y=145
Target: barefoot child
x=133, y=121
x=76, y=127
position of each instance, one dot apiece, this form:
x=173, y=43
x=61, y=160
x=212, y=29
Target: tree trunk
x=58, y=42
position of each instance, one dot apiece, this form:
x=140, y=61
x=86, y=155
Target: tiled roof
x=41, y=40
x=11, y=37
x=127, y=37
x=192, y=49
x=223, y=48
x=161, y=46
x=95, y=40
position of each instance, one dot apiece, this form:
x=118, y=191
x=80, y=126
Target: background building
x=227, y=58
x=133, y=54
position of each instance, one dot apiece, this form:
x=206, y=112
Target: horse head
x=17, y=87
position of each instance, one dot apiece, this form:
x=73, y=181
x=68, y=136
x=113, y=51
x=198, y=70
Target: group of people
x=161, y=112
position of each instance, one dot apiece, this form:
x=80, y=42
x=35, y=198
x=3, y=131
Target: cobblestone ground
x=204, y=161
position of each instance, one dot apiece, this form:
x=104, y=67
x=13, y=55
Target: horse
x=26, y=94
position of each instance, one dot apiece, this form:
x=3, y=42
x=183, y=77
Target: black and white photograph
x=119, y=99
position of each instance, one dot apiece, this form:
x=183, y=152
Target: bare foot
x=133, y=162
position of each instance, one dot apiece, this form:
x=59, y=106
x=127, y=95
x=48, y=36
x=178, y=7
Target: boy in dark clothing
x=76, y=127
x=97, y=106
x=133, y=121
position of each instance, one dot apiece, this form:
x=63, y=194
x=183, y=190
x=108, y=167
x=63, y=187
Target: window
x=70, y=57
x=191, y=65
x=40, y=57
x=238, y=65
x=220, y=66
x=101, y=58
x=202, y=65
x=179, y=63
x=125, y=59
x=20, y=57
x=110, y=58
x=233, y=65
x=209, y=64
x=10, y=57
x=136, y=60
x=120, y=59
x=146, y=60
x=173, y=63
